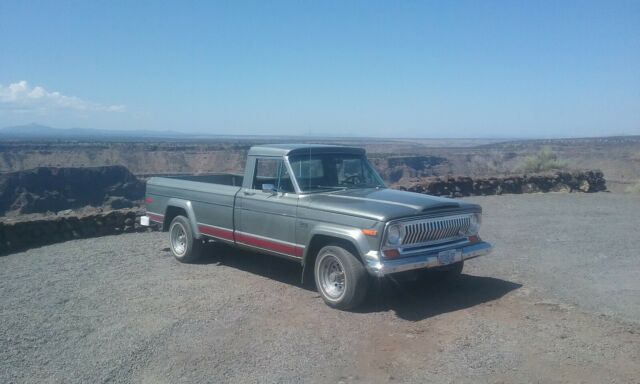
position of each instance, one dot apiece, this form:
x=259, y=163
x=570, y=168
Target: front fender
x=353, y=235
x=188, y=208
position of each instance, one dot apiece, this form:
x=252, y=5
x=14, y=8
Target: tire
x=340, y=277
x=185, y=248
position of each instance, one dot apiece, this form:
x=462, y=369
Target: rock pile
x=583, y=181
x=28, y=234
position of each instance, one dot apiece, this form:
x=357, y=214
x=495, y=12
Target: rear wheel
x=184, y=246
x=340, y=277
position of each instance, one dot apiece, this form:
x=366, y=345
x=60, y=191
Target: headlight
x=474, y=225
x=394, y=234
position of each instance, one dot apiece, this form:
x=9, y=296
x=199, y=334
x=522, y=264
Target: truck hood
x=384, y=204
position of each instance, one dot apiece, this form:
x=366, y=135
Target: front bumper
x=428, y=259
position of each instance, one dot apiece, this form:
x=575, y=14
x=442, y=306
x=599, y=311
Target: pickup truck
x=324, y=207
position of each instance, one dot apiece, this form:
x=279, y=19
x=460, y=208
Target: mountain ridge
x=35, y=130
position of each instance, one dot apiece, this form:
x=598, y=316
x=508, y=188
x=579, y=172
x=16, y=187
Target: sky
x=424, y=69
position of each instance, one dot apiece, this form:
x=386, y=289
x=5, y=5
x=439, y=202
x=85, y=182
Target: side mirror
x=269, y=188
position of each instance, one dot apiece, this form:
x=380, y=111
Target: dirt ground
x=557, y=302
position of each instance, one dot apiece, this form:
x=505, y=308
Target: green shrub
x=545, y=160
x=633, y=188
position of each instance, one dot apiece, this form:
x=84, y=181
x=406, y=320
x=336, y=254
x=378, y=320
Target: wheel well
x=171, y=213
x=316, y=244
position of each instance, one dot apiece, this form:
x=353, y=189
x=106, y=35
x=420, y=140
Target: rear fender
x=188, y=208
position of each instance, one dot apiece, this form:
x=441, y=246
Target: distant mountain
x=42, y=132
x=27, y=130
x=37, y=131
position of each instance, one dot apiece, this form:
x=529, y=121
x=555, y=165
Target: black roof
x=292, y=149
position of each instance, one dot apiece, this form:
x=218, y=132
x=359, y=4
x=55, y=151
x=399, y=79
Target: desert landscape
x=556, y=302
x=479, y=224
x=396, y=159
x=88, y=183
x=46, y=182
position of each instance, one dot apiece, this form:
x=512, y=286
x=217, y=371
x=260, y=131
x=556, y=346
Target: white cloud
x=22, y=97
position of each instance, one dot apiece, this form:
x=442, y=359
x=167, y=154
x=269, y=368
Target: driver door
x=267, y=218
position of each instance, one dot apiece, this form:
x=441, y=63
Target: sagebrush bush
x=545, y=160
x=633, y=188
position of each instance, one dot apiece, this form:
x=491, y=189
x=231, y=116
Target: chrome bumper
x=428, y=259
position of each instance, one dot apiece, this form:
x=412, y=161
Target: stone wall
x=22, y=235
x=583, y=181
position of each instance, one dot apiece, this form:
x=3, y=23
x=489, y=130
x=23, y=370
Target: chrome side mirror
x=269, y=188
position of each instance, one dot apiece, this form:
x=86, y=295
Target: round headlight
x=394, y=234
x=474, y=225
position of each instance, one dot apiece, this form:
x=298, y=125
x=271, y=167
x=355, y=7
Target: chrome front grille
x=435, y=230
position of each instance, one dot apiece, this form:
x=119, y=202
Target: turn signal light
x=370, y=232
x=391, y=253
x=474, y=239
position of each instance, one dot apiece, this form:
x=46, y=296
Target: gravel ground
x=558, y=301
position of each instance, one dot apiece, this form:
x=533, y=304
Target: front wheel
x=185, y=248
x=341, y=279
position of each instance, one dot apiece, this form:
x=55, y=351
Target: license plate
x=449, y=257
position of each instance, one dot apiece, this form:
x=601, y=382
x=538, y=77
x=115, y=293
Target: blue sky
x=394, y=69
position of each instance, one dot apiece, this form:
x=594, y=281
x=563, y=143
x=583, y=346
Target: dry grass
x=546, y=160
x=633, y=188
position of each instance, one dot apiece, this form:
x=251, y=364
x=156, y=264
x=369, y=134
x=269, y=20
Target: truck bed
x=211, y=197
x=230, y=179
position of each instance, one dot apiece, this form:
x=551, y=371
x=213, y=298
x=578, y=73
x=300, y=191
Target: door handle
x=248, y=193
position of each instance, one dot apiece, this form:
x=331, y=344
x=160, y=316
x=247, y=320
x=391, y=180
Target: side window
x=308, y=168
x=272, y=171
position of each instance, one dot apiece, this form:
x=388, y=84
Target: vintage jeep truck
x=324, y=207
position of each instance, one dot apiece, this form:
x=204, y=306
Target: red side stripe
x=271, y=245
x=155, y=217
x=216, y=232
x=227, y=234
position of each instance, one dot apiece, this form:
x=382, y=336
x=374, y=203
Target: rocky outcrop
x=28, y=234
x=52, y=189
x=394, y=168
x=584, y=181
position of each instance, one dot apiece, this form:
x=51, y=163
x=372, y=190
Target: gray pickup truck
x=324, y=207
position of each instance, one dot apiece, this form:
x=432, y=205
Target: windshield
x=328, y=171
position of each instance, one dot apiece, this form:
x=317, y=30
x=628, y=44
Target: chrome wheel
x=178, y=239
x=331, y=277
